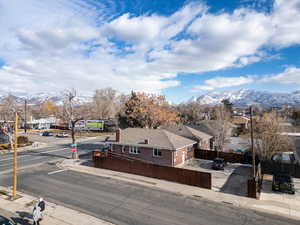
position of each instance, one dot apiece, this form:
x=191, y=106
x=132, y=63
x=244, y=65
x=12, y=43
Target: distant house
x=204, y=140
x=241, y=122
x=158, y=146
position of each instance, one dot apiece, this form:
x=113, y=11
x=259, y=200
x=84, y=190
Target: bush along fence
x=116, y=162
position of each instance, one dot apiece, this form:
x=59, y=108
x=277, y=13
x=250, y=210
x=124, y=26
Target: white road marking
x=57, y=171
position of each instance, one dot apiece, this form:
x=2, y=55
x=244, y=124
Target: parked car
x=6, y=221
x=47, y=133
x=62, y=135
x=283, y=183
x=218, y=164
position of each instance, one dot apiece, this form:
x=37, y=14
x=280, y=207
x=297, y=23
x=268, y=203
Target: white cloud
x=222, y=82
x=291, y=75
x=286, y=20
x=60, y=44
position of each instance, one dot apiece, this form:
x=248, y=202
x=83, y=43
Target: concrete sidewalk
x=21, y=210
x=290, y=209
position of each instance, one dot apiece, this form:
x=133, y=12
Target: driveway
x=233, y=180
x=280, y=199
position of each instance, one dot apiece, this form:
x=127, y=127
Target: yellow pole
x=15, y=158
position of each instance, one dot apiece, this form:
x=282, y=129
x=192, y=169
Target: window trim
x=158, y=150
x=134, y=150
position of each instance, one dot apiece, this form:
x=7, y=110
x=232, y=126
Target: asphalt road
x=120, y=202
x=52, y=153
x=125, y=203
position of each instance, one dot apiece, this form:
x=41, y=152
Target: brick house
x=204, y=140
x=158, y=146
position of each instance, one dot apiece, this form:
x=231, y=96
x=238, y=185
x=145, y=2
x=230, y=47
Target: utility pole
x=15, y=158
x=252, y=144
x=25, y=118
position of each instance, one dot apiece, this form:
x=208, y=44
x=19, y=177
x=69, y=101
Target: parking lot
x=232, y=180
x=36, y=137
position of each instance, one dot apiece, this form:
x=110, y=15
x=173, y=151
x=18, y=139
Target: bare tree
x=104, y=101
x=192, y=112
x=8, y=107
x=71, y=112
x=269, y=137
x=223, y=115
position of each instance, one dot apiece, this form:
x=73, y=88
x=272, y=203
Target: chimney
x=146, y=141
x=118, y=135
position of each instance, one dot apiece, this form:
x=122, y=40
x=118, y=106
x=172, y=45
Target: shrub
x=4, y=192
x=4, y=146
x=23, y=140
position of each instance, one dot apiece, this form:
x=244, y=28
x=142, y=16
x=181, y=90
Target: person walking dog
x=36, y=214
x=41, y=204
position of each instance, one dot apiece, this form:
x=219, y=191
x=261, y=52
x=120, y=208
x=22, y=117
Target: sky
x=172, y=47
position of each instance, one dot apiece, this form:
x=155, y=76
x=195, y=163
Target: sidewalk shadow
x=24, y=218
x=237, y=182
x=21, y=221
x=23, y=214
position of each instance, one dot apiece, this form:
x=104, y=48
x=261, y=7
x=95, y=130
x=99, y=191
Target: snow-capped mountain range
x=246, y=97
x=41, y=97
x=242, y=97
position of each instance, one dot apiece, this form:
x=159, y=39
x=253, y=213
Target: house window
x=134, y=150
x=123, y=149
x=156, y=152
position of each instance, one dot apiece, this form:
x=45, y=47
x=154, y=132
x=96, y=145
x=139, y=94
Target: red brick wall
x=187, y=152
x=147, y=154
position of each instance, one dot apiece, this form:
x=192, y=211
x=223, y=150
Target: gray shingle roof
x=187, y=132
x=211, y=127
x=158, y=138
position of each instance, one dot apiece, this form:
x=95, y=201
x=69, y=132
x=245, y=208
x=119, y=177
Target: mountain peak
x=246, y=97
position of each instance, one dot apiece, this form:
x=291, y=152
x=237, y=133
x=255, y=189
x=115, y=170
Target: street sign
x=73, y=147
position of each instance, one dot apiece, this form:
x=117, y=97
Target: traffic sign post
x=74, y=151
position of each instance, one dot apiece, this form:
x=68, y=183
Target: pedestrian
x=36, y=214
x=41, y=204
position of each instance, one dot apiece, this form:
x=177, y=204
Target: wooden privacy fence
x=117, y=163
x=271, y=167
x=211, y=155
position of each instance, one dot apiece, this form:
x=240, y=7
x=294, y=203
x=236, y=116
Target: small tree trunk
x=73, y=131
x=74, y=154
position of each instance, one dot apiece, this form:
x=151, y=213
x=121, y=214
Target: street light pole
x=14, y=194
x=252, y=144
x=25, y=118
